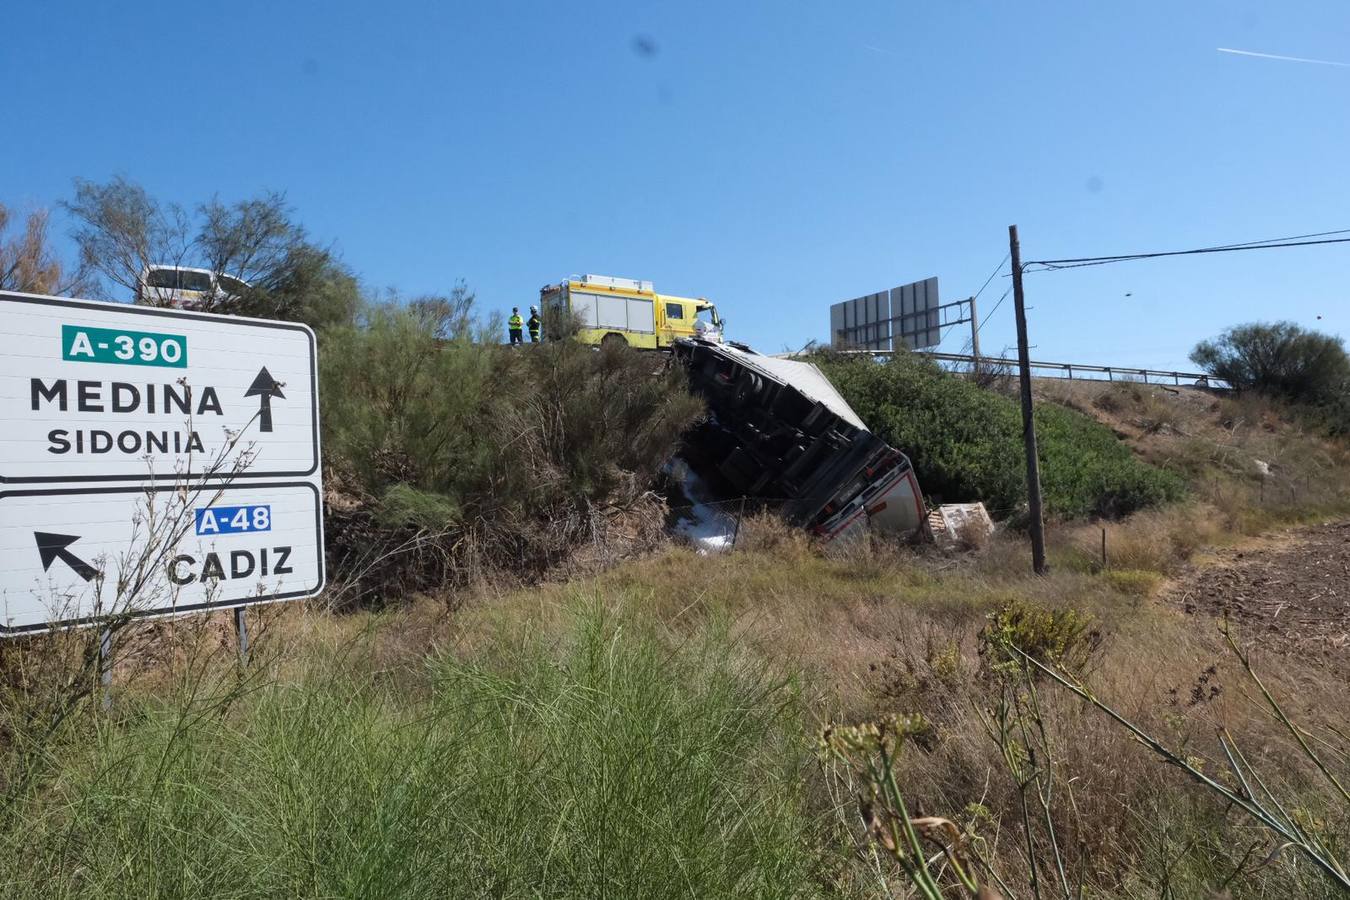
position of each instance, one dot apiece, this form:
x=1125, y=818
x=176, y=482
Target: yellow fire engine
x=609, y=310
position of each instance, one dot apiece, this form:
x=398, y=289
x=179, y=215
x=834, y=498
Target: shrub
x=966, y=443
x=510, y=455
x=1278, y=358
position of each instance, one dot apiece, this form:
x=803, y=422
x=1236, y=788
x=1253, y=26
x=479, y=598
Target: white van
x=181, y=287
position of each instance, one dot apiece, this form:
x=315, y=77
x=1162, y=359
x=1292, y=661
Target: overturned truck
x=778, y=433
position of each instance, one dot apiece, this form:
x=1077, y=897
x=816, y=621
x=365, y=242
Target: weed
x=1063, y=637
x=1135, y=582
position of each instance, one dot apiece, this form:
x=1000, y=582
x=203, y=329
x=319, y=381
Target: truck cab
x=611, y=310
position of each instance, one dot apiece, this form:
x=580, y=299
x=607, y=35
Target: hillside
x=653, y=730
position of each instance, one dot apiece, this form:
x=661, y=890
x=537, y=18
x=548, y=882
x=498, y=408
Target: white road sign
x=153, y=462
x=112, y=392
x=69, y=556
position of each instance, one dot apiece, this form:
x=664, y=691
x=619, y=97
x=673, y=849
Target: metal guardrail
x=1072, y=370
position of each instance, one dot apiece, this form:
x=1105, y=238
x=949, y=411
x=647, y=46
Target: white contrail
x=1320, y=62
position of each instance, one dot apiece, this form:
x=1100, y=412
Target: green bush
x=614, y=768
x=1278, y=358
x=507, y=453
x=966, y=442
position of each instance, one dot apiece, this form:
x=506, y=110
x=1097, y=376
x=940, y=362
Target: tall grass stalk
x=608, y=766
x=1261, y=803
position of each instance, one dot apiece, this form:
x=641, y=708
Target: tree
x=122, y=230
x=27, y=264
x=252, y=240
x=309, y=285
x=1279, y=358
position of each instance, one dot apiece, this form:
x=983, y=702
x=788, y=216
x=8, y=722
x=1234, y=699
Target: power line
x=1301, y=240
x=992, y=275
x=995, y=309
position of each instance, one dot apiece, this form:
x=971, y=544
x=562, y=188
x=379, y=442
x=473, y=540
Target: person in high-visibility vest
x=534, y=324
x=514, y=325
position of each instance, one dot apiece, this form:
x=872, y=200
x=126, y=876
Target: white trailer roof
x=803, y=376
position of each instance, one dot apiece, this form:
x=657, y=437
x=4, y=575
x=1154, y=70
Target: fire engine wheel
x=613, y=339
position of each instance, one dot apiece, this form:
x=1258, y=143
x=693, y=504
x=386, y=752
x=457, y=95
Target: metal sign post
x=241, y=632
x=155, y=462
x=105, y=668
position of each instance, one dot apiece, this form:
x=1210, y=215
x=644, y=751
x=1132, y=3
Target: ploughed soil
x=1290, y=594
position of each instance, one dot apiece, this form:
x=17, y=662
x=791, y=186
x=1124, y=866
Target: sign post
x=153, y=462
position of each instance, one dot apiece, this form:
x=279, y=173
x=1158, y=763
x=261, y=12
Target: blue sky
x=775, y=157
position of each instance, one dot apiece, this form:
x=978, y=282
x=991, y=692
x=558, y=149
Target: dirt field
x=1290, y=593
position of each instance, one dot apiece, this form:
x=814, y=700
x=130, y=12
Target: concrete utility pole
x=1037, y=524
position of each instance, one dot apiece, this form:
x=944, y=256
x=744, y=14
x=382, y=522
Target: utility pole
x=974, y=334
x=1037, y=524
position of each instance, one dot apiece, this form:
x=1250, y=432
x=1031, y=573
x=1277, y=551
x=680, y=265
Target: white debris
x=1262, y=467
x=709, y=527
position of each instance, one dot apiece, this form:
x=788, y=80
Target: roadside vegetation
x=963, y=440
x=1281, y=360
x=452, y=458
x=654, y=726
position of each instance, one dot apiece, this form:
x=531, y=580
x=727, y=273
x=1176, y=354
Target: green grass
x=966, y=442
x=610, y=765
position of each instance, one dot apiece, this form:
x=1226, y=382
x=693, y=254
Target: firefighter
x=534, y=324
x=514, y=326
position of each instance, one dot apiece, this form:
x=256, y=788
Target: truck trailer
x=778, y=432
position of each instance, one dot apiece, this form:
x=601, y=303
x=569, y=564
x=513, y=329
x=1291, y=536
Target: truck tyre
x=613, y=339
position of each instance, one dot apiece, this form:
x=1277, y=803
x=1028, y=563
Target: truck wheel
x=613, y=339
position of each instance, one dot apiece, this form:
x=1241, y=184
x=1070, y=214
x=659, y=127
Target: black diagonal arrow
x=264, y=387
x=52, y=547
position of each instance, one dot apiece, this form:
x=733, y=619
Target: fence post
x=1103, y=546
x=736, y=533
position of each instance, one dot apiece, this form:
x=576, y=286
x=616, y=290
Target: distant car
x=181, y=287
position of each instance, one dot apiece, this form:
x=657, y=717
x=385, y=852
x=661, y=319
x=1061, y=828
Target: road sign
x=108, y=392
x=862, y=324
x=73, y=555
x=153, y=462
x=910, y=313
x=915, y=308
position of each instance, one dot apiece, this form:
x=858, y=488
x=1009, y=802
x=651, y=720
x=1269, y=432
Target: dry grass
x=878, y=631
